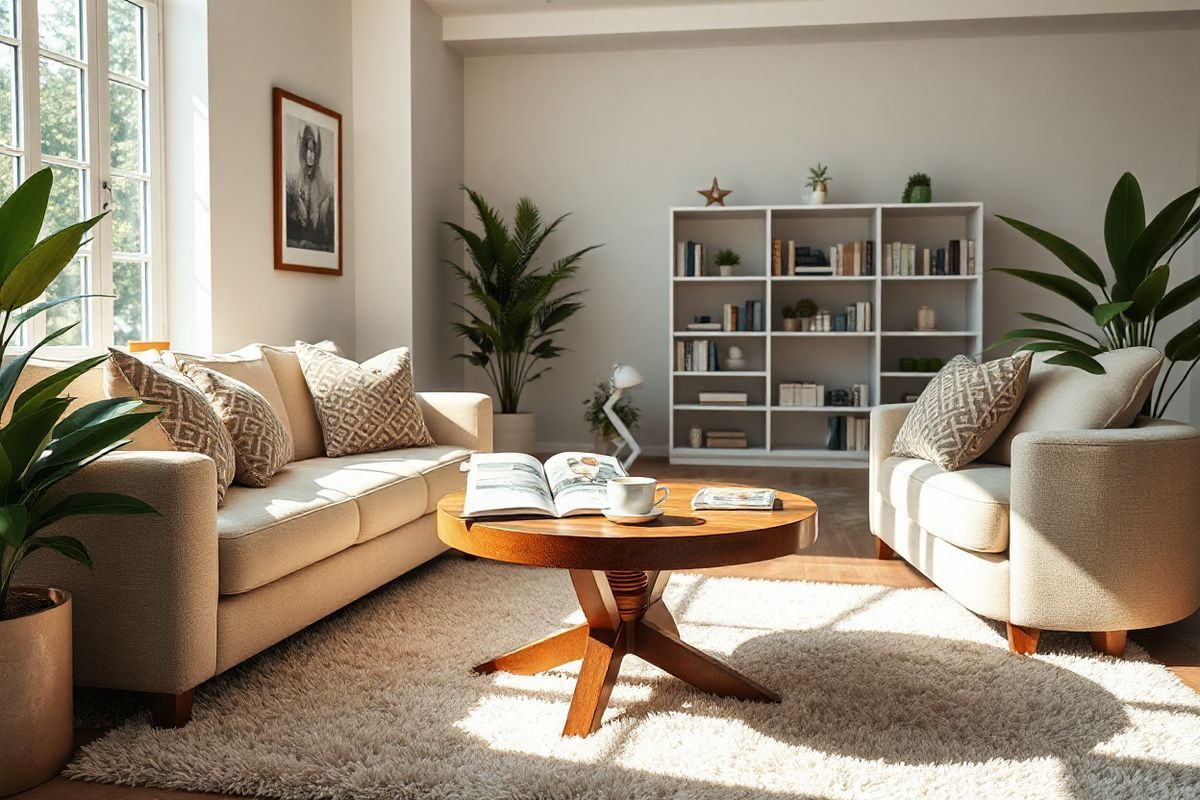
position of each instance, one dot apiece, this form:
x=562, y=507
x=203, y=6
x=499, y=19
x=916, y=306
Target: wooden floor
x=844, y=553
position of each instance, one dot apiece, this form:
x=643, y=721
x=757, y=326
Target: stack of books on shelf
x=853, y=258
x=860, y=395
x=697, y=355
x=848, y=258
x=723, y=398
x=849, y=433
x=801, y=394
x=735, y=439
x=856, y=318
x=746, y=317
x=956, y=258
x=703, y=324
x=689, y=259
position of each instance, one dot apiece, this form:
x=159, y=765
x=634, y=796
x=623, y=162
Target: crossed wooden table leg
x=625, y=615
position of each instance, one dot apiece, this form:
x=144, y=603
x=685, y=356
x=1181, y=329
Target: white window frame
x=98, y=313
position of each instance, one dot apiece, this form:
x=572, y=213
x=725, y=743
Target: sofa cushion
x=247, y=365
x=302, y=413
x=967, y=508
x=264, y=534
x=1068, y=399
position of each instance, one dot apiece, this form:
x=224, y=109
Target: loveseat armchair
x=1090, y=530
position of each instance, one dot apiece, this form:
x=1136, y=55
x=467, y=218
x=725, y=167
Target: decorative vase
x=726, y=270
x=696, y=438
x=513, y=433
x=791, y=324
x=818, y=197
x=735, y=359
x=926, y=319
x=921, y=194
x=36, y=713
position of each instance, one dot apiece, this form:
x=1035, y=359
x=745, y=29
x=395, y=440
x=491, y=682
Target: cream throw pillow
x=261, y=443
x=364, y=407
x=963, y=410
x=187, y=419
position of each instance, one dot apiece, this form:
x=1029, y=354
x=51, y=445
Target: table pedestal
x=625, y=615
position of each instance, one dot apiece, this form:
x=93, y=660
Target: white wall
x=1037, y=127
x=253, y=45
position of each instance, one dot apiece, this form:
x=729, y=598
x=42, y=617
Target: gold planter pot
x=36, y=724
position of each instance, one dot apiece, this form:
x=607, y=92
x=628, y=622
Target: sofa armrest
x=1105, y=527
x=885, y=424
x=145, y=615
x=462, y=419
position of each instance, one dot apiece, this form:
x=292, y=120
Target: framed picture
x=308, y=185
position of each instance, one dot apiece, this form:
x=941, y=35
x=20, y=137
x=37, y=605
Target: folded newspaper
x=568, y=484
x=713, y=498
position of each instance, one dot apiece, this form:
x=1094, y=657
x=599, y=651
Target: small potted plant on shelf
x=919, y=189
x=726, y=261
x=598, y=423
x=39, y=447
x=818, y=181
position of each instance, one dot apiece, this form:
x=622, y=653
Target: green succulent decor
x=598, y=421
x=518, y=307
x=919, y=189
x=727, y=258
x=1135, y=295
x=39, y=447
x=801, y=309
x=818, y=178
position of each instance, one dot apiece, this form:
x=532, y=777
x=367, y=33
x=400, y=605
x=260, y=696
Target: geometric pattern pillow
x=364, y=407
x=188, y=419
x=963, y=410
x=261, y=443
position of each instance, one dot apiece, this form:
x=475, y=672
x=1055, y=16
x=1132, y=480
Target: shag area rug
x=888, y=693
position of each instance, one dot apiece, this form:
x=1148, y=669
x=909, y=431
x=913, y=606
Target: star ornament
x=715, y=195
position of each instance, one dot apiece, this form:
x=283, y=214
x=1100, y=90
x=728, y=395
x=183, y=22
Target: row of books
x=846, y=258
x=956, y=258
x=857, y=317
x=735, y=439
x=697, y=355
x=813, y=395
x=723, y=398
x=689, y=259
x=746, y=317
x=849, y=433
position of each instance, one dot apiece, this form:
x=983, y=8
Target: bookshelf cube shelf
x=881, y=356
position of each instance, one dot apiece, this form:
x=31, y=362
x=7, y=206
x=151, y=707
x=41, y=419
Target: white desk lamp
x=623, y=377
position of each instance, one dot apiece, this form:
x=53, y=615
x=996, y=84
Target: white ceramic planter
x=514, y=433
x=726, y=270
x=817, y=198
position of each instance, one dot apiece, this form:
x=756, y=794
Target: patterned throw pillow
x=261, y=443
x=963, y=410
x=188, y=419
x=364, y=407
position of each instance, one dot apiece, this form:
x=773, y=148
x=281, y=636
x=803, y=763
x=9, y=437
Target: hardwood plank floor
x=843, y=553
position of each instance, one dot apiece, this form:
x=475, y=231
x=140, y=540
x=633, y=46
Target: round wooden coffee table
x=619, y=573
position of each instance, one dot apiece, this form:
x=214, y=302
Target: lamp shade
x=626, y=377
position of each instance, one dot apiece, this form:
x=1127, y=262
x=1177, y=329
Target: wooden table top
x=679, y=539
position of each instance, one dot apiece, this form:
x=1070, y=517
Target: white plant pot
x=817, y=198
x=514, y=433
x=726, y=270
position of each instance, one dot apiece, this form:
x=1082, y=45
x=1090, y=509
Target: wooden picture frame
x=307, y=185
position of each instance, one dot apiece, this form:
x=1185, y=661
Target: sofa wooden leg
x=171, y=710
x=883, y=551
x=1022, y=641
x=1111, y=643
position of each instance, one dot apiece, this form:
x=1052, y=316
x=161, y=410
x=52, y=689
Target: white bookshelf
x=796, y=436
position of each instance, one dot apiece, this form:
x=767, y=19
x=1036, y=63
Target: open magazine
x=568, y=484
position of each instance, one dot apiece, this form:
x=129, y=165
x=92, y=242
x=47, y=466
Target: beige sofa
x=1095, y=530
x=174, y=600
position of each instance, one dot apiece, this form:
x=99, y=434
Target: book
x=566, y=485
x=712, y=498
x=723, y=398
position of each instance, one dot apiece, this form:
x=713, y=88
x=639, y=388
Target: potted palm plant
x=818, y=181
x=39, y=448
x=518, y=309
x=598, y=422
x=727, y=261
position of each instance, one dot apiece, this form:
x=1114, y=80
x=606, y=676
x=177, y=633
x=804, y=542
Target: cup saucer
x=625, y=518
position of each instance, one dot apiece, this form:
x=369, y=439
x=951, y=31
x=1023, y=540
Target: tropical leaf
x=69, y=546
x=1186, y=232
x=90, y=503
x=14, y=524
x=1061, y=285
x=1124, y=220
x=1077, y=360
x=1181, y=296
x=26, y=435
x=1075, y=259
x=1042, y=334
x=1157, y=238
x=41, y=265
x=24, y=315
x=1048, y=320
x=21, y=219
x=53, y=385
x=1148, y=293
x=1107, y=312
x=89, y=440
x=99, y=411
x=1182, y=345
x=11, y=371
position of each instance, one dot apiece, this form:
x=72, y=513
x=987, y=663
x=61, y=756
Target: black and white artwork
x=308, y=213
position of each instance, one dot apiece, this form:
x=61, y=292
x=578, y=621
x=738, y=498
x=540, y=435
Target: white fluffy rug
x=888, y=693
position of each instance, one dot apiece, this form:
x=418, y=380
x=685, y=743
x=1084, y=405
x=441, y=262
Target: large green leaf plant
x=39, y=447
x=518, y=308
x=1135, y=295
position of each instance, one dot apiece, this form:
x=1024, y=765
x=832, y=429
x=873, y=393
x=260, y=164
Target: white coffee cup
x=635, y=496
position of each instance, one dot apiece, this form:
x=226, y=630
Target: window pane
x=8, y=176
x=68, y=199
x=59, y=26
x=129, y=215
x=130, y=282
x=127, y=114
x=125, y=38
x=7, y=17
x=71, y=281
x=62, y=101
x=8, y=96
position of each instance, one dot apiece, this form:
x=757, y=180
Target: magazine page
x=506, y=483
x=579, y=481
